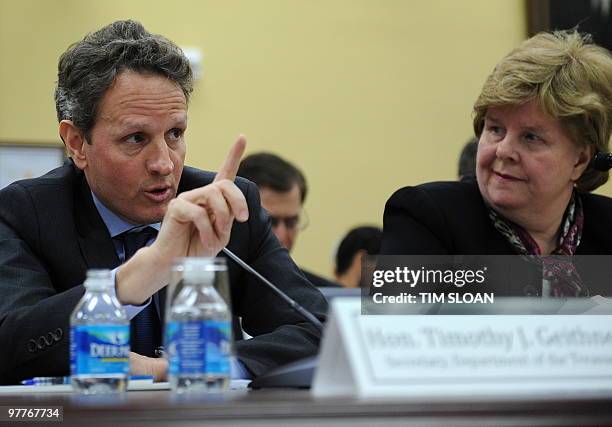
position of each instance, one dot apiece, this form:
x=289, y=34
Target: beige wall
x=365, y=96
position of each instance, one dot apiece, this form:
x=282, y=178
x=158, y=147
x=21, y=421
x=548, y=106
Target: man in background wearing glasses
x=283, y=189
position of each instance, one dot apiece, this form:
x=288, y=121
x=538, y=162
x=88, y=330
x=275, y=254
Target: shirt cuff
x=130, y=310
x=238, y=371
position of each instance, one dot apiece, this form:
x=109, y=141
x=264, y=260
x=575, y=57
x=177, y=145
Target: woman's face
x=526, y=162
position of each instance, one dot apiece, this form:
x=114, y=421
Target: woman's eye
x=495, y=130
x=532, y=137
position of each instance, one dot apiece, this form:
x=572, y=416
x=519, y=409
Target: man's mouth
x=159, y=194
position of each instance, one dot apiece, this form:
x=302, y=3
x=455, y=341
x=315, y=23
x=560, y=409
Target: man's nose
x=159, y=160
x=282, y=233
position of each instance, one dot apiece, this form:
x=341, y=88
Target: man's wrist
x=155, y=259
x=141, y=276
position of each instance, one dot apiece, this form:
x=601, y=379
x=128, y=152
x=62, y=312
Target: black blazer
x=318, y=281
x=442, y=218
x=51, y=233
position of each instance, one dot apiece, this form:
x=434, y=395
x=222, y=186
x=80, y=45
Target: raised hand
x=197, y=223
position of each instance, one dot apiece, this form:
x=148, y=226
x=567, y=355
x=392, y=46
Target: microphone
x=298, y=374
x=290, y=301
x=601, y=162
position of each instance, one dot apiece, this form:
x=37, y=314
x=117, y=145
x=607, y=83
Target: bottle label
x=100, y=350
x=198, y=347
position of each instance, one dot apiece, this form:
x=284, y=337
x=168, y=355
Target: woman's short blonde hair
x=570, y=77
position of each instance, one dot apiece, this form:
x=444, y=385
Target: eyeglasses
x=299, y=222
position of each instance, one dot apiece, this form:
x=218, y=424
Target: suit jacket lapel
x=96, y=244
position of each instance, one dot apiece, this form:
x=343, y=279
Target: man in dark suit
x=121, y=100
x=283, y=189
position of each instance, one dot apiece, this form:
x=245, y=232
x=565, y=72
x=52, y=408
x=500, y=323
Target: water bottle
x=198, y=335
x=99, y=338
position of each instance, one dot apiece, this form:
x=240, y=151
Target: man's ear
x=75, y=142
x=358, y=259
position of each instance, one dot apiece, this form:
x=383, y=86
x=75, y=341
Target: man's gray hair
x=88, y=68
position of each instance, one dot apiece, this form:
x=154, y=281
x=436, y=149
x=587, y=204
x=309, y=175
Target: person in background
x=283, y=190
x=543, y=113
x=125, y=201
x=467, y=160
x=352, y=252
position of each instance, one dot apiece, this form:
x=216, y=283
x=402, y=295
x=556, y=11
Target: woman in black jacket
x=543, y=113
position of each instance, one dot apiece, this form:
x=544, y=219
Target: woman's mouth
x=507, y=177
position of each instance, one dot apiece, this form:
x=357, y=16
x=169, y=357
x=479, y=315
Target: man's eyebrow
x=181, y=121
x=128, y=124
x=132, y=124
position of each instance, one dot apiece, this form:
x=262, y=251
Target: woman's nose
x=506, y=148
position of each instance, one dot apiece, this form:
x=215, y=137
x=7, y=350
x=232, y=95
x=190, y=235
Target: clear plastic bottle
x=198, y=335
x=99, y=338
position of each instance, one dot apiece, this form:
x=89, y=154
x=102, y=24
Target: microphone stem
x=292, y=303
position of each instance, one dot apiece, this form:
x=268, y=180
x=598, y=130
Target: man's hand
x=143, y=365
x=197, y=223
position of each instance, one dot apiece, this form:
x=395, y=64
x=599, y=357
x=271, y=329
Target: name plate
x=429, y=356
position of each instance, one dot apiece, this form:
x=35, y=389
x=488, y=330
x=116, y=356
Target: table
x=286, y=407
